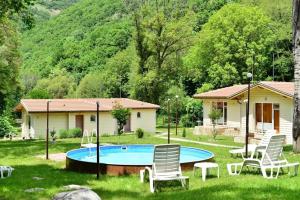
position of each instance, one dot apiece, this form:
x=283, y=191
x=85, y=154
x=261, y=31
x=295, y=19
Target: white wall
x=233, y=112
x=260, y=95
x=147, y=121
x=236, y=113
x=107, y=124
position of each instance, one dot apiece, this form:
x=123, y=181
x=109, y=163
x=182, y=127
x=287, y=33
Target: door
x=127, y=127
x=276, y=117
x=79, y=122
x=264, y=116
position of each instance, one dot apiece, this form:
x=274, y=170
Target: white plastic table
x=205, y=166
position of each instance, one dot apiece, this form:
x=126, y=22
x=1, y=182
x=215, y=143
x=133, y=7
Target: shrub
x=75, y=133
x=184, y=133
x=52, y=134
x=63, y=133
x=121, y=114
x=185, y=121
x=139, y=133
x=5, y=126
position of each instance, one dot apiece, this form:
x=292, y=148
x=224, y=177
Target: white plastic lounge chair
x=255, y=149
x=271, y=159
x=166, y=166
x=5, y=171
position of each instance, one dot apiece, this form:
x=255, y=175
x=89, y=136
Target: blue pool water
x=133, y=154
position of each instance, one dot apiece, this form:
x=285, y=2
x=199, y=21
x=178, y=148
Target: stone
x=81, y=194
x=75, y=187
x=37, y=178
x=31, y=190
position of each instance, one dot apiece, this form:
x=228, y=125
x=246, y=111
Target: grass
x=220, y=139
x=22, y=156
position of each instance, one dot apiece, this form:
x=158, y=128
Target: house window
x=93, y=118
x=222, y=107
x=138, y=115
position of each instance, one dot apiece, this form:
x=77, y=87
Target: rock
x=37, y=178
x=81, y=194
x=34, y=190
x=75, y=187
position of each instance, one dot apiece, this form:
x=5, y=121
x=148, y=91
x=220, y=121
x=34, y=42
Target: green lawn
x=220, y=139
x=21, y=155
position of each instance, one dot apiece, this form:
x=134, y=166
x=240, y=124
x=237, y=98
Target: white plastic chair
x=271, y=159
x=166, y=166
x=5, y=171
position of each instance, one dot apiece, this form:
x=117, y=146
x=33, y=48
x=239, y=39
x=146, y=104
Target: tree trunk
x=296, y=51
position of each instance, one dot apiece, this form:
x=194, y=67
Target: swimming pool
x=127, y=159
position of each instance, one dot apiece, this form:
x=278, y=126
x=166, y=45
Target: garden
x=22, y=155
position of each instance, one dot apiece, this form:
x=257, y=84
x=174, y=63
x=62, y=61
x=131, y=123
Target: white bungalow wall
x=233, y=112
x=260, y=95
x=65, y=120
x=236, y=111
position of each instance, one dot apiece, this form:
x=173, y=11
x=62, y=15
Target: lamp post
x=249, y=76
x=169, y=121
x=47, y=132
x=98, y=156
x=176, y=124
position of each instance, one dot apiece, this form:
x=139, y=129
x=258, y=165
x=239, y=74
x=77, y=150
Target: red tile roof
x=283, y=88
x=75, y=105
x=222, y=93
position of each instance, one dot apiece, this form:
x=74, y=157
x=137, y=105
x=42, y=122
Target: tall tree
x=9, y=55
x=236, y=39
x=163, y=30
x=296, y=43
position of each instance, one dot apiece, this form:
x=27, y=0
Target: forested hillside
x=154, y=50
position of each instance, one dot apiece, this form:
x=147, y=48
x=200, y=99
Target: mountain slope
x=80, y=39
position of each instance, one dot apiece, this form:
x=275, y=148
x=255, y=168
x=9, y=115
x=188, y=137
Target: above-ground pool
x=127, y=159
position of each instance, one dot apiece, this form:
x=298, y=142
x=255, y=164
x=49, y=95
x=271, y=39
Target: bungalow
x=81, y=113
x=271, y=107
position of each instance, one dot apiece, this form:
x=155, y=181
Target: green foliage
x=6, y=126
x=75, y=132
x=58, y=85
x=194, y=110
x=185, y=121
x=162, y=32
x=71, y=133
x=38, y=94
x=53, y=135
x=121, y=114
x=112, y=80
x=235, y=40
x=205, y=88
x=139, y=133
x=177, y=102
x=10, y=7
x=206, y=8
x=79, y=40
x=214, y=115
x=9, y=62
x=63, y=133
x=184, y=133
